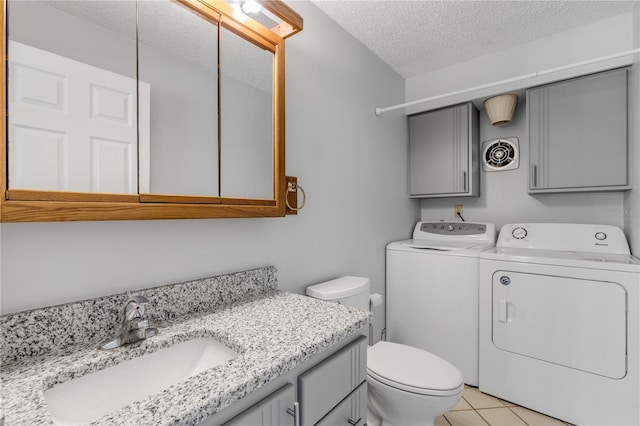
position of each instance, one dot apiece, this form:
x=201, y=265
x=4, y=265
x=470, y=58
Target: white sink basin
x=90, y=397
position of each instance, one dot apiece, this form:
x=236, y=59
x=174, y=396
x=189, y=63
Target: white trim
x=532, y=75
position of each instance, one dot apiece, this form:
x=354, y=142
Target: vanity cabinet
x=351, y=411
x=330, y=389
x=578, y=134
x=443, y=153
x=324, y=387
x=271, y=411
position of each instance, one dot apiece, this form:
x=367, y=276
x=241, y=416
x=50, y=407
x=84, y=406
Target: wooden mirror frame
x=53, y=206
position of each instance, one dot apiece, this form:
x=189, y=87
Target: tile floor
x=478, y=409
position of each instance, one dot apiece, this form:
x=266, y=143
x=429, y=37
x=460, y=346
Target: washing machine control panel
x=453, y=228
x=456, y=231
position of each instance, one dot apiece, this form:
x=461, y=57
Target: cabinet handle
x=295, y=413
x=351, y=422
x=535, y=175
x=464, y=181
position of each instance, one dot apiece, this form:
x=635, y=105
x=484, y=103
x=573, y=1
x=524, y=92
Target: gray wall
x=600, y=38
x=246, y=149
x=351, y=163
x=504, y=198
x=631, y=208
x=184, y=125
x=56, y=31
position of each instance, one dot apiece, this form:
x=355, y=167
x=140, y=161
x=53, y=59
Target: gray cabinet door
x=352, y=411
x=271, y=411
x=578, y=134
x=323, y=387
x=443, y=152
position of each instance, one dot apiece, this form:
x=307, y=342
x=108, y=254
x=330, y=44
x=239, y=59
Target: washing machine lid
x=411, y=369
x=612, y=262
x=444, y=248
x=437, y=245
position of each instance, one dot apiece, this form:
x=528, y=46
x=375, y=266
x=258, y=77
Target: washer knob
x=519, y=233
x=601, y=236
x=450, y=228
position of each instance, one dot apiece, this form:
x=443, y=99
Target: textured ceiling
x=419, y=36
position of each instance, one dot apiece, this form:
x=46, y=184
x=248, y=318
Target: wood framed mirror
x=161, y=122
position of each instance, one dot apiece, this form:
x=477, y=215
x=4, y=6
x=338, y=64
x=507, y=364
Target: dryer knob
x=601, y=236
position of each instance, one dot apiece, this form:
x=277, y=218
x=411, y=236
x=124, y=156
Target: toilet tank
x=349, y=291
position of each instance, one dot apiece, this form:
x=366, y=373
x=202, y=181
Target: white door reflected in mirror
x=72, y=97
x=137, y=97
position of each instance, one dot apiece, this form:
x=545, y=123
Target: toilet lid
x=412, y=369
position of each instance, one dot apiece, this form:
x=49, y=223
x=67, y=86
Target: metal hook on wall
x=292, y=190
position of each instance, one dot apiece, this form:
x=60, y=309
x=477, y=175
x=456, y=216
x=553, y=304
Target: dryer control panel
x=572, y=237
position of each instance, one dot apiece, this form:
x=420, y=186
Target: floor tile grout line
x=497, y=408
x=482, y=417
x=504, y=405
x=465, y=400
x=477, y=410
x=525, y=422
x=542, y=414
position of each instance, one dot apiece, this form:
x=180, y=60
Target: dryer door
x=576, y=323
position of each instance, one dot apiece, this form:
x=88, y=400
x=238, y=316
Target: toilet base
x=374, y=420
x=388, y=406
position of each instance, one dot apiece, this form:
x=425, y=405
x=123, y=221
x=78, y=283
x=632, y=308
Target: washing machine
x=559, y=324
x=432, y=291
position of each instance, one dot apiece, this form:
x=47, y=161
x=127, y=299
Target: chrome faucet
x=134, y=327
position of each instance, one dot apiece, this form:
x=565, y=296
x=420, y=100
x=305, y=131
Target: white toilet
x=406, y=385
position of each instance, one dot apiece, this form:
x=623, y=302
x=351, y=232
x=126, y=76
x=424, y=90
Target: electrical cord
x=460, y=216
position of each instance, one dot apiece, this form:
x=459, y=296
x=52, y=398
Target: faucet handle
x=134, y=326
x=141, y=300
x=134, y=308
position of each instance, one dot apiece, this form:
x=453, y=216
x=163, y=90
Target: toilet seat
x=413, y=370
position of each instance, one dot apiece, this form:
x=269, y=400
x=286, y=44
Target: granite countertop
x=272, y=333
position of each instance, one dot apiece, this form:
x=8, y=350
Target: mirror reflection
x=177, y=60
x=72, y=96
x=246, y=119
x=126, y=97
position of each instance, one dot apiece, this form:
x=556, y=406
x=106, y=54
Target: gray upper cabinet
x=578, y=134
x=443, y=153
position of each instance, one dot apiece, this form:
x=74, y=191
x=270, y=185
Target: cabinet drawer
x=351, y=411
x=271, y=411
x=325, y=385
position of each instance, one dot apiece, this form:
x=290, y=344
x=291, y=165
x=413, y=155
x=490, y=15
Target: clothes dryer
x=432, y=291
x=559, y=325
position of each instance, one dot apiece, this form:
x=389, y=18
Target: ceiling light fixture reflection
x=251, y=7
x=238, y=14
